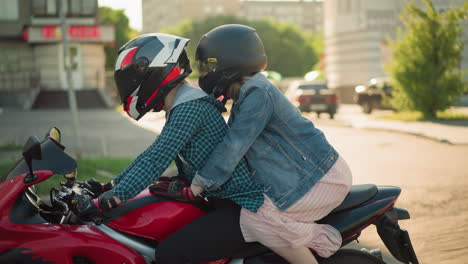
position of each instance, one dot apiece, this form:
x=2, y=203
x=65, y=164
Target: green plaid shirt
x=192, y=131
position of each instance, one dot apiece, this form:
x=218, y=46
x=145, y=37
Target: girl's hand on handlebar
x=177, y=190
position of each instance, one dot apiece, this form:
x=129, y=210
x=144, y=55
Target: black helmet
x=147, y=68
x=231, y=51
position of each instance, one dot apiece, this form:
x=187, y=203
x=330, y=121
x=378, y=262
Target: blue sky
x=132, y=10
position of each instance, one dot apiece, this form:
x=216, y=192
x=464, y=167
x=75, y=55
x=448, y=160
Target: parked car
x=375, y=94
x=310, y=96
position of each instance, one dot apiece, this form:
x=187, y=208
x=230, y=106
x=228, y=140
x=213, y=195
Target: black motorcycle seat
x=358, y=195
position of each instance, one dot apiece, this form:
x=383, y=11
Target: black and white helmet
x=147, y=68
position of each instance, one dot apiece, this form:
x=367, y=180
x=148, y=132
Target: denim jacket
x=285, y=151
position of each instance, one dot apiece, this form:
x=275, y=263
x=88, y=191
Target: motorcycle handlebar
x=59, y=199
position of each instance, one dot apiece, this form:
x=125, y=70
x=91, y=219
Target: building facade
x=159, y=14
x=31, y=52
x=356, y=34
x=307, y=15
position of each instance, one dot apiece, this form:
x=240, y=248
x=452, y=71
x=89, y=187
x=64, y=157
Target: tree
x=289, y=50
x=426, y=56
x=123, y=32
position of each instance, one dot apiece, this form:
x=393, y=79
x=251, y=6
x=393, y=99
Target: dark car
x=313, y=97
x=376, y=94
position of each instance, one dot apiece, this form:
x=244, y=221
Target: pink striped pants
x=296, y=226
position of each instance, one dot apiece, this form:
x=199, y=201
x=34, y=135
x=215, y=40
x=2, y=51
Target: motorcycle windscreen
x=54, y=159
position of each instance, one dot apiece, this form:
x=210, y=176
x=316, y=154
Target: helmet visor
x=207, y=65
x=127, y=80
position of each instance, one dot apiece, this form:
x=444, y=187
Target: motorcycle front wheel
x=351, y=256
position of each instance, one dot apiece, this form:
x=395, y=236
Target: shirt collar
x=186, y=93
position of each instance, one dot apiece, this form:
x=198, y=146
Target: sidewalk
x=451, y=132
x=102, y=132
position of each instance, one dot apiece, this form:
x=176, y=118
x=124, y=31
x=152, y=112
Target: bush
x=426, y=59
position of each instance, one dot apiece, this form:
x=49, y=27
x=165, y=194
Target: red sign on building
x=80, y=33
x=74, y=32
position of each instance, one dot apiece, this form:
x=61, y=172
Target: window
x=82, y=7
x=39, y=7
x=74, y=8
x=51, y=8
x=9, y=10
x=89, y=7
x=45, y=7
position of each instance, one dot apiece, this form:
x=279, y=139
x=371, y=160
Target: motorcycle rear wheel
x=351, y=256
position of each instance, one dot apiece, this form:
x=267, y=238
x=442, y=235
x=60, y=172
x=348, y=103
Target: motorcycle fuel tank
x=151, y=216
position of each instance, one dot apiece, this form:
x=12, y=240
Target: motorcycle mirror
x=55, y=134
x=31, y=150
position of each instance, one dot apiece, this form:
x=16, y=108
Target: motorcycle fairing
x=23, y=212
x=24, y=255
x=143, y=199
x=152, y=216
x=351, y=221
x=57, y=243
x=52, y=242
x=358, y=195
x=13, y=188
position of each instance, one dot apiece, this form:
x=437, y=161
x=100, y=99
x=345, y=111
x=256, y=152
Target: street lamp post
x=71, y=91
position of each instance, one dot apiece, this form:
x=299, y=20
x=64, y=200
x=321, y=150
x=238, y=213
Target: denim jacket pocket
x=278, y=149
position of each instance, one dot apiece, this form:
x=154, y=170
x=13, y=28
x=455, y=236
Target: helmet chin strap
x=223, y=84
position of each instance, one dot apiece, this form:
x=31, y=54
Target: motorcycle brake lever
x=60, y=202
x=84, y=189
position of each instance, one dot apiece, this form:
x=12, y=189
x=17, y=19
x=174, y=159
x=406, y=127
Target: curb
x=416, y=134
x=406, y=132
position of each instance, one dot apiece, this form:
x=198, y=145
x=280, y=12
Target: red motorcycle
x=36, y=231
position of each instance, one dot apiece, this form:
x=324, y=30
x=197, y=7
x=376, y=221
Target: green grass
x=10, y=146
x=417, y=116
x=102, y=169
x=5, y=166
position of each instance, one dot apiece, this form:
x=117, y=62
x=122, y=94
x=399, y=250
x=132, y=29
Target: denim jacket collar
x=256, y=80
x=253, y=81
